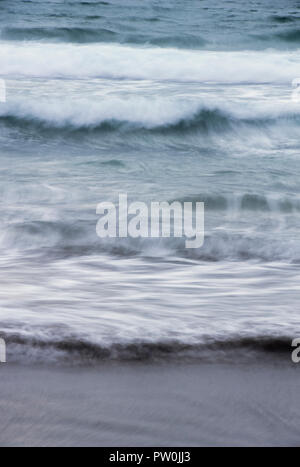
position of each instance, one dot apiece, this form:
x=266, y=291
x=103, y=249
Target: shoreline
x=143, y=405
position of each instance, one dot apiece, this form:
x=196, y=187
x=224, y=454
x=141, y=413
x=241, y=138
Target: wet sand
x=151, y=405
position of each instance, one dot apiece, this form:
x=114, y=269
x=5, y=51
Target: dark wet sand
x=144, y=405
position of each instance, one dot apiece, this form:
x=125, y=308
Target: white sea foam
x=88, y=113
x=145, y=112
x=124, y=62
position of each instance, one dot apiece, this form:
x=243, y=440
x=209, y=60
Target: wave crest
x=112, y=61
x=160, y=115
x=86, y=35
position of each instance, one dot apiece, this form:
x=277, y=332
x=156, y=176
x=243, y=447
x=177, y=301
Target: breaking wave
x=76, y=35
x=112, y=61
x=145, y=114
x=92, y=34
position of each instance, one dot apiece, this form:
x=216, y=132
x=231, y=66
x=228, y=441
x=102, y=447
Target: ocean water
x=163, y=100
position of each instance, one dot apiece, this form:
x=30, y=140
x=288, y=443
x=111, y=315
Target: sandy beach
x=150, y=405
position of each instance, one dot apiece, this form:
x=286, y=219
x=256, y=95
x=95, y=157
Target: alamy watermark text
x=160, y=219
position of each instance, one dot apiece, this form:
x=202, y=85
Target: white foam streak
x=123, y=62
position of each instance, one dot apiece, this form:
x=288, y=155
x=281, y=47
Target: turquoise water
x=169, y=100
